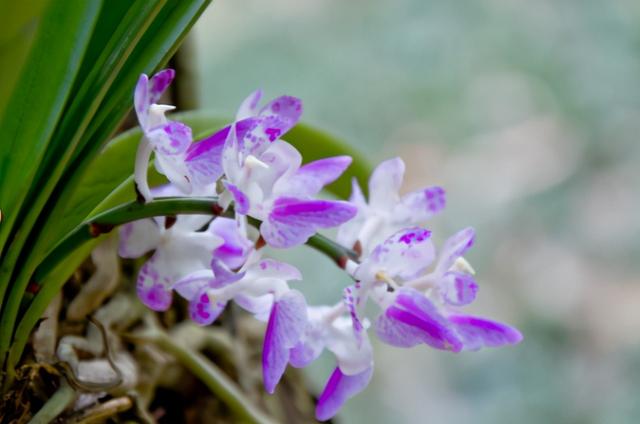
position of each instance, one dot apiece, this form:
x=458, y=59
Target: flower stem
x=219, y=384
x=55, y=405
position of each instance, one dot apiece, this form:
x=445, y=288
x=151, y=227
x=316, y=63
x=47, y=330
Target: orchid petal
x=171, y=138
x=351, y=299
x=159, y=83
x=458, y=288
x=204, y=310
x=292, y=221
x=413, y=317
x=249, y=106
x=275, y=119
x=349, y=232
x=259, y=306
x=271, y=268
x=138, y=238
x=148, y=92
x=192, y=284
x=282, y=160
x=477, y=332
x=353, y=354
x=141, y=99
x=454, y=247
x=338, y=390
x=176, y=171
x=242, y=203
x=287, y=322
x=312, y=177
x=205, y=158
x=418, y=206
x=223, y=276
x=153, y=286
x=384, y=184
x=406, y=254
x=233, y=252
x=357, y=197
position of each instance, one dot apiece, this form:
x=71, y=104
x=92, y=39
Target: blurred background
x=528, y=113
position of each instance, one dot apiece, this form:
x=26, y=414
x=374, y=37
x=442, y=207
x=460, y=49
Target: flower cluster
x=418, y=289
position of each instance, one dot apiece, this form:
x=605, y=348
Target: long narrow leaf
x=38, y=100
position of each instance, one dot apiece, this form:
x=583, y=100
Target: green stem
x=207, y=372
x=55, y=405
x=128, y=212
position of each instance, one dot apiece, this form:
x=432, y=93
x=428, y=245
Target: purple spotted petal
x=458, y=288
x=138, y=238
x=274, y=120
x=418, y=206
x=384, y=184
x=171, y=138
x=312, y=177
x=406, y=254
x=479, y=332
x=281, y=114
x=159, y=83
x=153, y=288
x=338, y=390
x=286, y=325
x=292, y=221
x=241, y=200
x=148, y=92
x=249, y=107
x=351, y=299
x=412, y=319
x=203, y=310
x=233, y=252
x=454, y=247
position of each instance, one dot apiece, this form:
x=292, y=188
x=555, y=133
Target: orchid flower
x=386, y=211
x=168, y=139
x=265, y=179
x=412, y=316
x=418, y=289
x=328, y=329
x=178, y=250
x=261, y=288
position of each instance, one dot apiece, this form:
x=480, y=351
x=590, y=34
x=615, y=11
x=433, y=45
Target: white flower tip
x=253, y=162
x=462, y=265
x=156, y=108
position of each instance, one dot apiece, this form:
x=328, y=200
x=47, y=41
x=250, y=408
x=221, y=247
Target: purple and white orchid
x=386, y=211
x=261, y=288
x=265, y=179
x=419, y=290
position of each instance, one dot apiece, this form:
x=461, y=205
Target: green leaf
x=102, y=97
x=38, y=100
x=16, y=37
